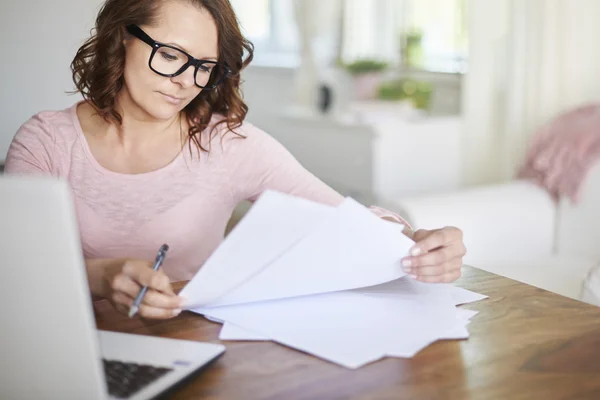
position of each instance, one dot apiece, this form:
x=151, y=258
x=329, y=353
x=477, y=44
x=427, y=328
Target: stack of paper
x=324, y=280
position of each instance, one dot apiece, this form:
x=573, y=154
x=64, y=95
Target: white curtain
x=371, y=29
x=528, y=61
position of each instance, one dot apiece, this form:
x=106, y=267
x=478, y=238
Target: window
x=435, y=29
x=271, y=26
x=255, y=18
x=443, y=26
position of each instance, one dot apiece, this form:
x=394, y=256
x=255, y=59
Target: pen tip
x=132, y=311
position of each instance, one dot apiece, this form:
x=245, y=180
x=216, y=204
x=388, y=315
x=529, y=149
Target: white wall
x=38, y=39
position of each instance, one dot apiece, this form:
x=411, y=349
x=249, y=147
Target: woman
x=159, y=151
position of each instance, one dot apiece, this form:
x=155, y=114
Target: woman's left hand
x=436, y=255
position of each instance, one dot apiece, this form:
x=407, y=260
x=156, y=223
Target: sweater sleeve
x=258, y=162
x=31, y=149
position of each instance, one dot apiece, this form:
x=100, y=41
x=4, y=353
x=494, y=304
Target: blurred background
x=354, y=88
x=446, y=111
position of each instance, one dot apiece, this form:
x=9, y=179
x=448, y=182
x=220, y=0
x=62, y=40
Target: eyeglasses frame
x=137, y=32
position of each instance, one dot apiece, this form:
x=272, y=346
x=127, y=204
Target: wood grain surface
x=526, y=343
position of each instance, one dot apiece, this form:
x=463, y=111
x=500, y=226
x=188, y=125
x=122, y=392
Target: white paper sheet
x=465, y=314
x=464, y=296
x=408, y=349
x=234, y=332
x=326, y=281
x=351, y=248
x=403, y=347
x=407, y=286
x=275, y=223
x=231, y=331
x=328, y=326
x=347, y=328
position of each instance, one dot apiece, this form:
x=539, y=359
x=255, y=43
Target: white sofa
x=516, y=230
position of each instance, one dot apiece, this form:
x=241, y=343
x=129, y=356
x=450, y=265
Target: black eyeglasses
x=169, y=61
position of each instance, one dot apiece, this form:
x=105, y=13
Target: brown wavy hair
x=99, y=63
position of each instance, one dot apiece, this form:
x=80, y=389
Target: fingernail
x=177, y=311
x=414, y=276
x=415, y=251
x=183, y=301
x=406, y=264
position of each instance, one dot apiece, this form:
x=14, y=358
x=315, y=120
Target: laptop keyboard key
x=125, y=379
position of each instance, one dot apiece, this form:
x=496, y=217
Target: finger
x=454, y=275
x=435, y=257
x=434, y=270
x=161, y=300
x=146, y=276
x=462, y=249
x=408, y=233
x=126, y=284
x=435, y=239
x=445, y=278
x=121, y=302
x=122, y=309
x=146, y=311
x=122, y=299
x=420, y=234
x=437, y=270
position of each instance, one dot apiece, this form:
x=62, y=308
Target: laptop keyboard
x=125, y=379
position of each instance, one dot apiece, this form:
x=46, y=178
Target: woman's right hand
x=125, y=278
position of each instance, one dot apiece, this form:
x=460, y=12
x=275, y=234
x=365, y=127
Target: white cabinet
x=383, y=158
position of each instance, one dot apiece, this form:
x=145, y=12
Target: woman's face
x=185, y=27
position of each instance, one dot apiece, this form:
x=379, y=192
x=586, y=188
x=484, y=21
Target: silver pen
x=162, y=253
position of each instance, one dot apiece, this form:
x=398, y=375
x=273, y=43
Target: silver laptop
x=49, y=345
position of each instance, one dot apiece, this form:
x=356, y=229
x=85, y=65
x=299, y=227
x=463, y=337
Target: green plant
x=364, y=66
x=412, y=49
x=391, y=91
x=418, y=92
x=413, y=37
x=422, y=96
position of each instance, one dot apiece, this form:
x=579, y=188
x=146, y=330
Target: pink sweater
x=186, y=204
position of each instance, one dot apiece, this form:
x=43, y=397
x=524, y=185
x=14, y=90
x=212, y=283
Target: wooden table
x=526, y=343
